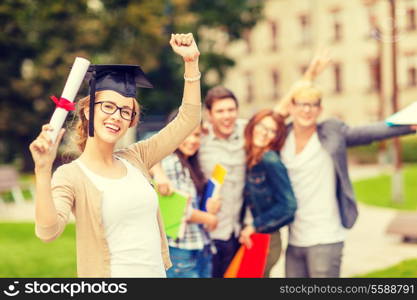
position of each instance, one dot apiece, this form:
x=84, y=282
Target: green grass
x=377, y=190
x=405, y=269
x=8, y=197
x=368, y=154
x=26, y=180
x=24, y=255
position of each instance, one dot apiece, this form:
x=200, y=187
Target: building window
x=374, y=74
x=247, y=38
x=412, y=76
x=337, y=26
x=274, y=34
x=411, y=69
x=275, y=84
x=337, y=74
x=249, y=87
x=411, y=19
x=373, y=32
x=303, y=69
x=305, y=26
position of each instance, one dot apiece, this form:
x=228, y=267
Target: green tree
x=40, y=39
x=232, y=17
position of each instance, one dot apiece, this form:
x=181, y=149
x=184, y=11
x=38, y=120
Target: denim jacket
x=269, y=195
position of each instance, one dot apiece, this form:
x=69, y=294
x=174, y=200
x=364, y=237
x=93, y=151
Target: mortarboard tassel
x=92, y=102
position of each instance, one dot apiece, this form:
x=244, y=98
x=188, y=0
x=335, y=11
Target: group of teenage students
x=278, y=174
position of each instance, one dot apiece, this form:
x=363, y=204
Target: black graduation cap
x=122, y=79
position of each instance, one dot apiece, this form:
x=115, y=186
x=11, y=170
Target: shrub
x=368, y=154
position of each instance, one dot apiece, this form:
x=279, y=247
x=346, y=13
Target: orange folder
x=234, y=266
x=250, y=263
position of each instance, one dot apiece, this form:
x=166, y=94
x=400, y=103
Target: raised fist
x=185, y=46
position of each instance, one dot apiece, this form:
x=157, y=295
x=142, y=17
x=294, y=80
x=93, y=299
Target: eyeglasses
x=110, y=108
x=312, y=106
x=269, y=131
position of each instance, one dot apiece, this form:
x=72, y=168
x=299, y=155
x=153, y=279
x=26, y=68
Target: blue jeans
x=321, y=260
x=190, y=263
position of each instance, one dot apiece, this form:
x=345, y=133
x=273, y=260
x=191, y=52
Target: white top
x=312, y=174
x=129, y=211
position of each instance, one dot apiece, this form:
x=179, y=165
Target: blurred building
x=358, y=85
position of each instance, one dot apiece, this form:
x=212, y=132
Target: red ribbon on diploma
x=63, y=103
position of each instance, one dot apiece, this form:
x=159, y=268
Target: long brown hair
x=81, y=127
x=191, y=162
x=253, y=153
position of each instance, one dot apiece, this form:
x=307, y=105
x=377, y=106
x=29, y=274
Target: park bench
x=9, y=182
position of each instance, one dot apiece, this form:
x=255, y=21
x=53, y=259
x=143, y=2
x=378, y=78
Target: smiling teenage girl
x=118, y=224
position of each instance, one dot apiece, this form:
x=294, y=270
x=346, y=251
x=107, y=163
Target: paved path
x=17, y=212
x=368, y=247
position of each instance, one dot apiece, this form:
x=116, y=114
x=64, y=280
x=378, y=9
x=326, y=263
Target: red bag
x=250, y=263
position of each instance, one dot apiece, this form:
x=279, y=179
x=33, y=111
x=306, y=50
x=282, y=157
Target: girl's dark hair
x=191, y=163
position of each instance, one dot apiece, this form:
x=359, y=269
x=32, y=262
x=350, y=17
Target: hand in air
x=319, y=63
x=185, y=46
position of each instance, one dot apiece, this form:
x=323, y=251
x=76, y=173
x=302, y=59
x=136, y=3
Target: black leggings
x=226, y=250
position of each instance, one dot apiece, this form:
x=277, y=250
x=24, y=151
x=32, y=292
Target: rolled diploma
x=75, y=78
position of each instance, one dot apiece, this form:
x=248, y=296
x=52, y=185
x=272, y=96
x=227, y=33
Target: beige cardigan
x=73, y=191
